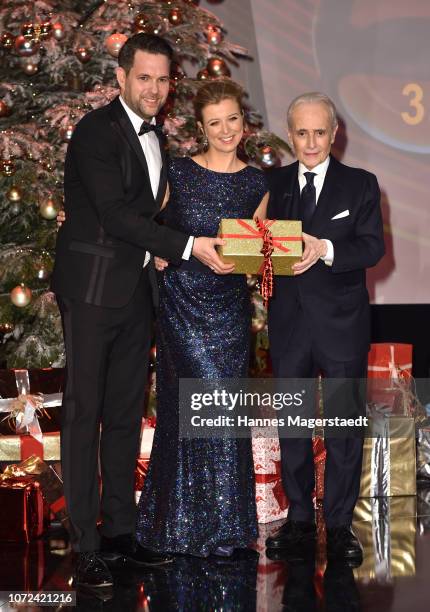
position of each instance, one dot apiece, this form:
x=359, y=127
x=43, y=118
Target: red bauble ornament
x=83, y=54
x=203, y=75
x=7, y=40
x=25, y=47
x=4, y=109
x=213, y=35
x=175, y=16
x=140, y=22
x=114, y=42
x=58, y=30
x=217, y=67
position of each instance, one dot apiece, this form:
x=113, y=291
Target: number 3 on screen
x=416, y=94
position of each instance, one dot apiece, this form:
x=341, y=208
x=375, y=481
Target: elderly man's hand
x=314, y=249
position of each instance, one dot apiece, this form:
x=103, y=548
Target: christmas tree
x=58, y=63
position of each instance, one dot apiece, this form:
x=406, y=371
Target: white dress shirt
x=320, y=171
x=151, y=149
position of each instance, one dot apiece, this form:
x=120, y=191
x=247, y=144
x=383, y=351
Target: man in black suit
x=115, y=181
x=319, y=318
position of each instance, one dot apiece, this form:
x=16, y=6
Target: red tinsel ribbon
x=266, y=287
x=278, y=490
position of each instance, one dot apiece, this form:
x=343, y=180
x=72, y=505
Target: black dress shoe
x=123, y=551
x=293, y=535
x=343, y=544
x=91, y=571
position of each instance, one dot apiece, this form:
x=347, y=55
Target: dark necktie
x=150, y=127
x=308, y=200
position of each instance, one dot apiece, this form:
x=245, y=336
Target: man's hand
x=314, y=249
x=160, y=263
x=204, y=250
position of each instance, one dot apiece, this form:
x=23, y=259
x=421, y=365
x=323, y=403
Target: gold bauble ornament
x=6, y=328
x=29, y=67
x=257, y=325
x=49, y=208
x=25, y=47
x=14, y=194
x=114, y=42
x=58, y=31
x=45, y=29
x=140, y=23
x=7, y=167
x=66, y=132
x=21, y=296
x=27, y=30
x=83, y=54
x=175, y=16
x=213, y=35
x=203, y=75
x=7, y=40
x=217, y=67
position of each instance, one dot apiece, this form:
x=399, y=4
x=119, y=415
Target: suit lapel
x=285, y=193
x=163, y=175
x=127, y=129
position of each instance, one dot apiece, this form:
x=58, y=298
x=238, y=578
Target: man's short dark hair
x=143, y=42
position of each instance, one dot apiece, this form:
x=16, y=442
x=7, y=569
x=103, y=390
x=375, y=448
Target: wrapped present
x=30, y=400
x=389, y=456
x=423, y=456
x=18, y=448
x=271, y=575
x=23, y=569
x=21, y=510
x=139, y=476
x=272, y=504
x=386, y=528
x=147, y=436
x=320, y=454
x=389, y=360
x=48, y=479
x=247, y=243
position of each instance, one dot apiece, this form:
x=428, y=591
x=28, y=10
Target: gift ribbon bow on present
x=396, y=370
x=27, y=407
x=278, y=490
x=270, y=243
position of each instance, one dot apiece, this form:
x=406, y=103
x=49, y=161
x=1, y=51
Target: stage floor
x=394, y=575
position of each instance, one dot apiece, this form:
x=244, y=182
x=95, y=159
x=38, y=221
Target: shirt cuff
x=188, y=249
x=329, y=256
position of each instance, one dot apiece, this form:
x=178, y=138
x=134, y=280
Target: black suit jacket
x=334, y=299
x=109, y=208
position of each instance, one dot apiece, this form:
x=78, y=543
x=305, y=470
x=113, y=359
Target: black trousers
x=107, y=363
x=344, y=455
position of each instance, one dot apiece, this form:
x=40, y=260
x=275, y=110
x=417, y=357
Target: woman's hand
x=160, y=263
x=61, y=217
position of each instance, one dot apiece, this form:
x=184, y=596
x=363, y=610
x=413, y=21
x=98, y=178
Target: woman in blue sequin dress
x=199, y=496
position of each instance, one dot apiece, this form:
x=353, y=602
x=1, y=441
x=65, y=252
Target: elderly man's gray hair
x=313, y=97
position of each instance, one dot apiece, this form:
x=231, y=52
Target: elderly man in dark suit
x=114, y=182
x=319, y=318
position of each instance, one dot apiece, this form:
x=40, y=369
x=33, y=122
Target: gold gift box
x=244, y=243
x=11, y=447
x=389, y=459
x=386, y=527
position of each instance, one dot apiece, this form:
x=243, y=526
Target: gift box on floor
x=245, y=240
x=139, y=476
x=271, y=575
x=20, y=447
x=147, y=436
x=386, y=528
x=272, y=504
x=48, y=479
x=389, y=360
x=21, y=510
x=30, y=400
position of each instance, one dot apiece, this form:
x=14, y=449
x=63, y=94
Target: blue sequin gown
x=199, y=494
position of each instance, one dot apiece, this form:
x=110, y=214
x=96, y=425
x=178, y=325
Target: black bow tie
x=150, y=127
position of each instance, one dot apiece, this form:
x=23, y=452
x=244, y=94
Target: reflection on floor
x=394, y=576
